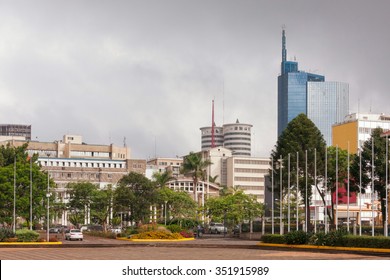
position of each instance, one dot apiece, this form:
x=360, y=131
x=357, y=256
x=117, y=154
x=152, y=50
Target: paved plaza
x=217, y=248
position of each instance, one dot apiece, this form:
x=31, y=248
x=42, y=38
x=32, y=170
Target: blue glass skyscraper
x=292, y=89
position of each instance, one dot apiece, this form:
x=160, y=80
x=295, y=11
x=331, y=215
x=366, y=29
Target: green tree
x=135, y=194
x=303, y=137
x=81, y=196
x=195, y=166
x=234, y=208
x=102, y=205
x=162, y=179
x=336, y=158
x=16, y=158
x=367, y=173
x=180, y=204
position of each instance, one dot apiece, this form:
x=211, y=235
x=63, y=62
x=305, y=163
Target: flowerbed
x=157, y=235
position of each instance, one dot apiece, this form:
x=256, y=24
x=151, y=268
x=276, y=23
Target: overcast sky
x=148, y=70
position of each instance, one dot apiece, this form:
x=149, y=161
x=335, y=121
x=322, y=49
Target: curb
x=30, y=243
x=375, y=251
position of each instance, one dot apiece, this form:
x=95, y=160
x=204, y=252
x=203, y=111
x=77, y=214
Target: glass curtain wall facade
x=327, y=104
x=292, y=89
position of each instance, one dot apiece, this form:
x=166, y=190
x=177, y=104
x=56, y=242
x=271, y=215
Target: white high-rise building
x=235, y=136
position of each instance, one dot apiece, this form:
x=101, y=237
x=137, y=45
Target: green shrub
x=336, y=238
x=25, y=235
x=367, y=241
x=159, y=234
x=319, y=239
x=174, y=228
x=273, y=238
x=6, y=233
x=296, y=237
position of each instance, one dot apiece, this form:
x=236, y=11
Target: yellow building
x=356, y=129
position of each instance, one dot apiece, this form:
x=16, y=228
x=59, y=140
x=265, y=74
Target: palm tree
x=163, y=178
x=195, y=166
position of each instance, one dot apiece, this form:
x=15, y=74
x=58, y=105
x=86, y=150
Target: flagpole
x=288, y=196
x=326, y=191
x=297, y=193
x=372, y=188
x=306, y=218
x=272, y=186
x=360, y=192
x=315, y=190
x=31, y=219
x=281, y=197
x=14, y=212
x=348, y=193
x=337, y=187
x=387, y=166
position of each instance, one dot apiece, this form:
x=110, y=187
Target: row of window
x=82, y=164
x=249, y=179
x=251, y=170
x=251, y=161
x=78, y=175
x=237, y=133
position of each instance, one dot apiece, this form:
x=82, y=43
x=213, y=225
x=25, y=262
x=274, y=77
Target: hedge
x=338, y=238
x=25, y=235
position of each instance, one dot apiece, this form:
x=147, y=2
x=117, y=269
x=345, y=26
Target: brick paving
x=92, y=248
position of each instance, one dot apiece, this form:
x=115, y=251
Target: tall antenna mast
x=223, y=101
x=284, y=51
x=212, y=127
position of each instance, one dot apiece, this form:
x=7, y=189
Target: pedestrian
x=199, y=231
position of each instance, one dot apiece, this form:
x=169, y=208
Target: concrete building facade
x=18, y=130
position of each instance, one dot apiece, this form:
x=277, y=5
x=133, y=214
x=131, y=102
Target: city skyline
x=147, y=71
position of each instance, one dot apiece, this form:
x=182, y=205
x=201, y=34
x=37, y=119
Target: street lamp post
x=165, y=212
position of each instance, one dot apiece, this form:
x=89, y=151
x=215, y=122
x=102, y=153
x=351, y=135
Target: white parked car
x=74, y=234
x=217, y=228
x=116, y=230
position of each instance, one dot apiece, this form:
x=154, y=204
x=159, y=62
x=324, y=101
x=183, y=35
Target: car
x=83, y=228
x=116, y=230
x=217, y=228
x=74, y=234
x=54, y=230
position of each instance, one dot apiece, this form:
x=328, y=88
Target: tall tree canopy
x=303, y=140
x=16, y=159
x=135, y=194
x=375, y=145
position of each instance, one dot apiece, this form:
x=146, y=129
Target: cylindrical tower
x=237, y=137
x=207, y=137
